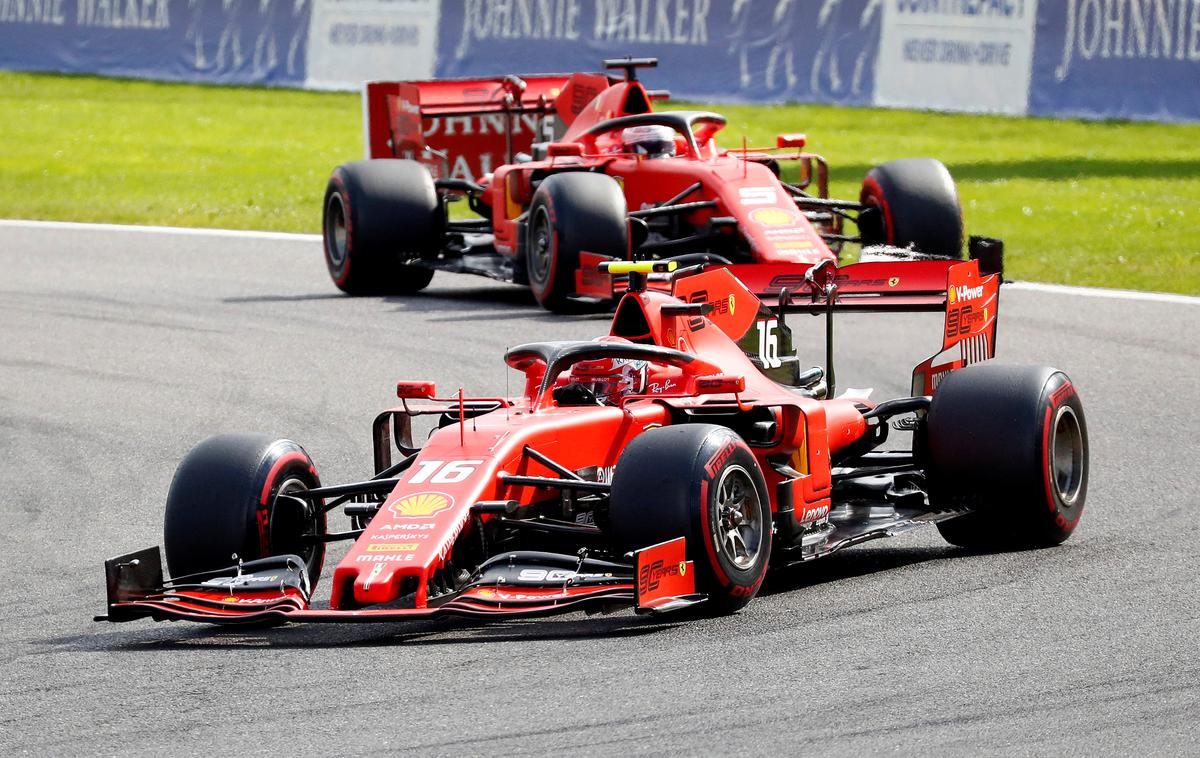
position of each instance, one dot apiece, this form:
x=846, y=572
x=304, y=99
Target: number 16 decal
x=768, y=343
x=443, y=472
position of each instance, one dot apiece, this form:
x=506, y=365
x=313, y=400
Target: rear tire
x=690, y=481
x=1010, y=442
x=223, y=501
x=917, y=205
x=571, y=213
x=378, y=214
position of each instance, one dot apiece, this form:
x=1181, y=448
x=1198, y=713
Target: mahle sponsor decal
x=421, y=505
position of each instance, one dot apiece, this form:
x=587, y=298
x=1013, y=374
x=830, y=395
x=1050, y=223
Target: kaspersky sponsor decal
x=401, y=536
x=421, y=505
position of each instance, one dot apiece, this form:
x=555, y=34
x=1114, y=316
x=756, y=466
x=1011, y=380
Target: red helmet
x=610, y=379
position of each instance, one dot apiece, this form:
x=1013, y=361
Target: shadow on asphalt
x=449, y=631
x=457, y=300
x=852, y=563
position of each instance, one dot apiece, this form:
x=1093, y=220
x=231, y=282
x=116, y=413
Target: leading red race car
x=668, y=463
x=565, y=172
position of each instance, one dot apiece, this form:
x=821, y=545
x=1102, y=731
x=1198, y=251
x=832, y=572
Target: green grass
x=1108, y=204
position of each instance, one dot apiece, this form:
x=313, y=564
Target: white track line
x=1055, y=289
x=1063, y=289
x=183, y=231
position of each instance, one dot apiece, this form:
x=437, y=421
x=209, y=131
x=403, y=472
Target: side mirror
x=564, y=149
x=820, y=277
x=415, y=390
x=791, y=140
x=719, y=384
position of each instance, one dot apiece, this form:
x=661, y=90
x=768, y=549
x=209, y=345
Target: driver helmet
x=653, y=141
x=610, y=379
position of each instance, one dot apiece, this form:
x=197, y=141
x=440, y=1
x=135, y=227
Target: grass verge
x=1109, y=204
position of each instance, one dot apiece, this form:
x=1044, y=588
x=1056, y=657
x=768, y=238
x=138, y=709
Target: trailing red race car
x=565, y=172
x=669, y=463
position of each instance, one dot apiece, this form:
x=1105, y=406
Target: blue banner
x=726, y=50
x=1137, y=59
x=221, y=41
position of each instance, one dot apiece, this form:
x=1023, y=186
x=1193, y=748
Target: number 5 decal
x=443, y=472
x=768, y=343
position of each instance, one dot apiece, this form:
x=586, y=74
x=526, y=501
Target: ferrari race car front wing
x=511, y=585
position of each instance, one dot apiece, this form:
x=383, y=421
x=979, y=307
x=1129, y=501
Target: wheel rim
x=335, y=231
x=739, y=522
x=540, y=243
x=1066, y=454
x=304, y=522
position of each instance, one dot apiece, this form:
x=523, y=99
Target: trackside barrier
x=1136, y=59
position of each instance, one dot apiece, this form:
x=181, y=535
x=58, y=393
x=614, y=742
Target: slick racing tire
x=700, y=482
x=571, y=213
x=913, y=202
x=378, y=214
x=225, y=499
x=1011, y=443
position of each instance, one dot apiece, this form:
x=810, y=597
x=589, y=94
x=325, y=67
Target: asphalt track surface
x=118, y=352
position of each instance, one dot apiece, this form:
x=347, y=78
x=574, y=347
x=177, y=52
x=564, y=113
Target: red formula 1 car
x=669, y=463
x=565, y=172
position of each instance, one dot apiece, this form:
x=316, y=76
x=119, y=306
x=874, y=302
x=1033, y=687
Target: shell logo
x=952, y=296
x=773, y=217
x=421, y=505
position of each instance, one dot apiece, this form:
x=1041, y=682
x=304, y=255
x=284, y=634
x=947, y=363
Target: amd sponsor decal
x=972, y=55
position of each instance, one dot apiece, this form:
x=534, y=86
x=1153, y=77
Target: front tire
x=701, y=482
x=224, y=500
x=1011, y=443
x=914, y=202
x=571, y=213
x=378, y=214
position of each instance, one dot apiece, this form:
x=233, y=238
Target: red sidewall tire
x=571, y=212
x=1011, y=443
x=684, y=467
x=222, y=502
x=919, y=205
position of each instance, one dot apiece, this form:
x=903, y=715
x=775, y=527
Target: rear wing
x=465, y=128
x=969, y=299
